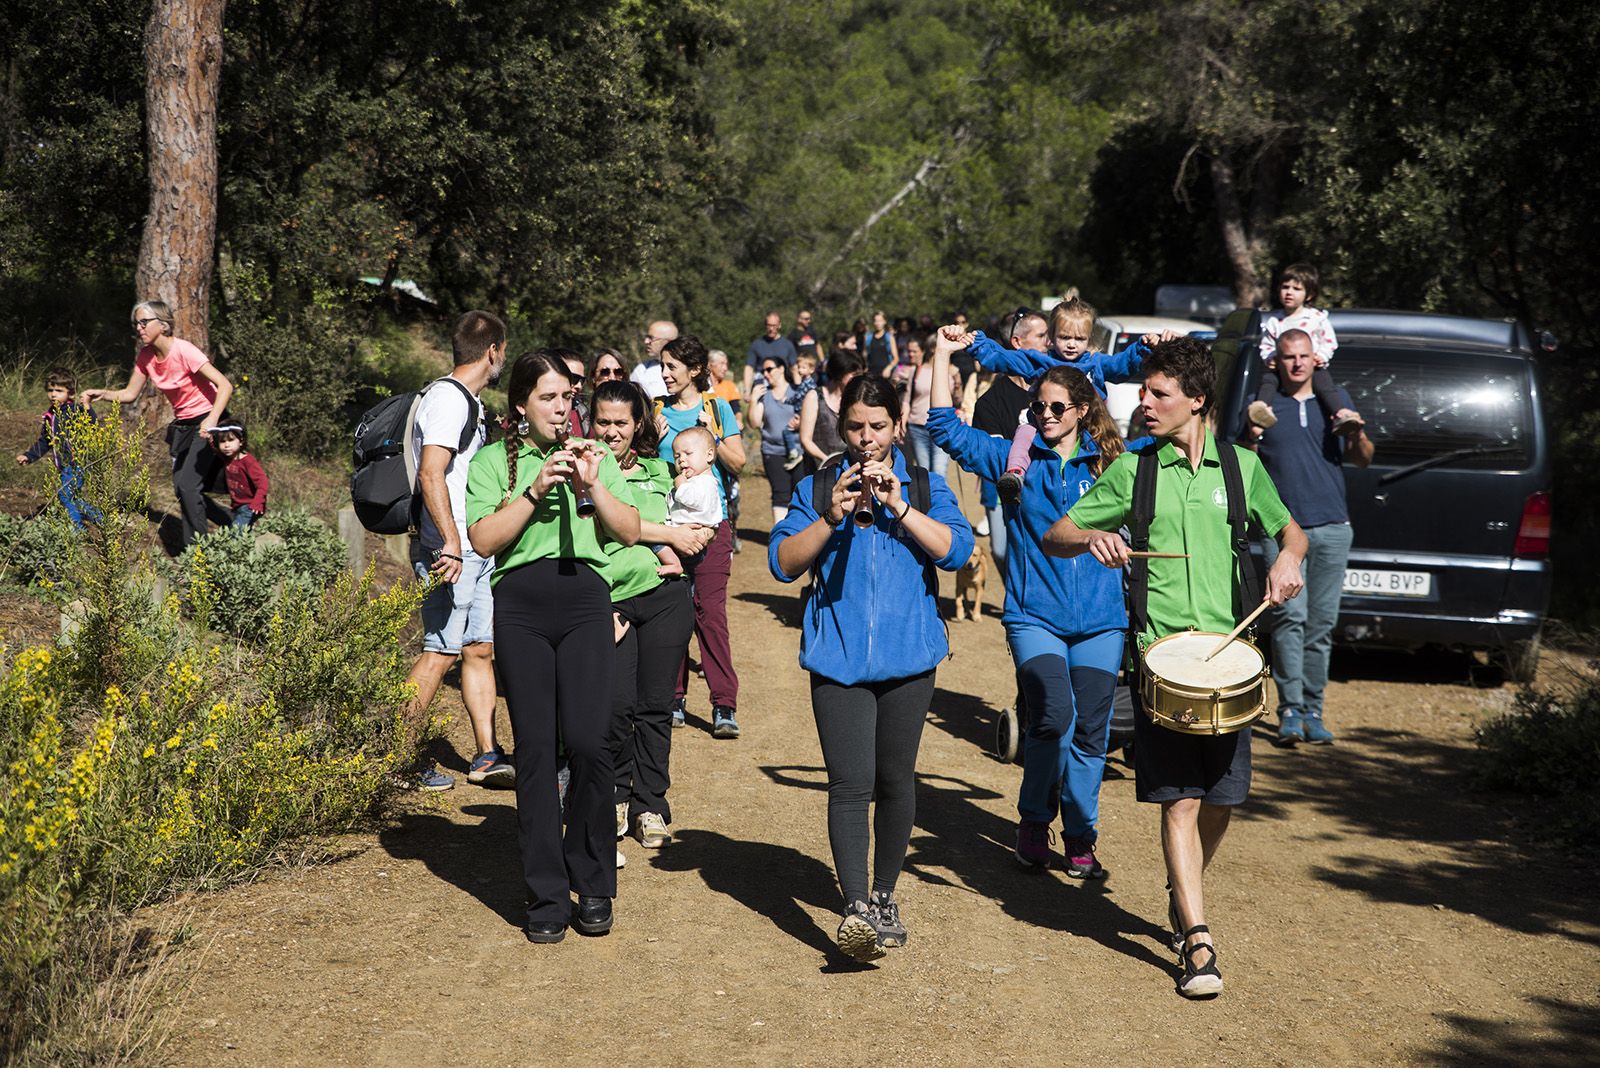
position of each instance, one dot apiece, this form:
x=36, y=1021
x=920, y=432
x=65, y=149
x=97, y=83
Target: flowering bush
x=147, y=754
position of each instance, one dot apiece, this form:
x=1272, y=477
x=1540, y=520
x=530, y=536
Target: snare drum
x=1184, y=692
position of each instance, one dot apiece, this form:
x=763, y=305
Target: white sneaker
x=622, y=861
x=982, y=529
x=651, y=830
x=622, y=820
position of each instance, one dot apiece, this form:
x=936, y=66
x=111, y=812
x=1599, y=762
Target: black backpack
x=383, y=486
x=1247, y=591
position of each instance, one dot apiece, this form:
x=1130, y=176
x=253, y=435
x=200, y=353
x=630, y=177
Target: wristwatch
x=529, y=496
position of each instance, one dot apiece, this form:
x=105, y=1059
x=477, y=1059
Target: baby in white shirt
x=696, y=494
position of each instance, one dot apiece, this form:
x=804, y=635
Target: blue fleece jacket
x=1030, y=363
x=871, y=616
x=1070, y=598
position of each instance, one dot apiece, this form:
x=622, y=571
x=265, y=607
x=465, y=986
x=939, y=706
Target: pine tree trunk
x=183, y=70
x=1243, y=247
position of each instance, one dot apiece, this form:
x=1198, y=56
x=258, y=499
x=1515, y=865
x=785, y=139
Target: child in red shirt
x=247, y=481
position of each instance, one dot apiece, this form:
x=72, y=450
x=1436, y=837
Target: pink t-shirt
x=178, y=377
x=922, y=393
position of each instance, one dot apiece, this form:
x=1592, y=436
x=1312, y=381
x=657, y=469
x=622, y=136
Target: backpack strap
x=474, y=411
x=1252, y=583
x=1139, y=520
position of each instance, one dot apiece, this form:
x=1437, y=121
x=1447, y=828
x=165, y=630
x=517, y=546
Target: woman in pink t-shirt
x=199, y=396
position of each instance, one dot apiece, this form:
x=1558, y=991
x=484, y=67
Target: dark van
x=1452, y=520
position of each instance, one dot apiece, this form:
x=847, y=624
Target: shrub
x=236, y=578
x=34, y=551
x=1548, y=746
x=145, y=754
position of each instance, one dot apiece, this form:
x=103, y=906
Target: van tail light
x=1533, y=535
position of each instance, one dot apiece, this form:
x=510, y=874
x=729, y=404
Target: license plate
x=1370, y=582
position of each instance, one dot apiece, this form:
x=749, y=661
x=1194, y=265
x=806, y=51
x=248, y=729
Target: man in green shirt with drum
x=1196, y=778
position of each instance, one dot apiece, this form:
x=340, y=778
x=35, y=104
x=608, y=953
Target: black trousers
x=554, y=644
x=870, y=733
x=643, y=684
x=196, y=470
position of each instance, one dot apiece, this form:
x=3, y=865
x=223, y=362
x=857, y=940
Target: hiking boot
x=679, y=710
x=1316, y=733
x=1009, y=487
x=1033, y=844
x=1081, y=862
x=1260, y=413
x=622, y=820
x=858, y=935
x=723, y=725
x=886, y=917
x=651, y=830
x=429, y=779
x=490, y=768
x=1291, y=727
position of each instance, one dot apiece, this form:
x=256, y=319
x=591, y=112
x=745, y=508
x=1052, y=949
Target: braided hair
x=525, y=375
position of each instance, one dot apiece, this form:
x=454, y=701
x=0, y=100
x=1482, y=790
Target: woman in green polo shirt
x=554, y=633
x=656, y=611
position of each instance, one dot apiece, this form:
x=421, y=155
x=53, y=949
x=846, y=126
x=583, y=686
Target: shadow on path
x=961, y=836
x=1387, y=784
x=1568, y=1038
x=480, y=858
x=774, y=881
x=785, y=607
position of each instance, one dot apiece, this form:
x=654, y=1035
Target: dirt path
x=1367, y=909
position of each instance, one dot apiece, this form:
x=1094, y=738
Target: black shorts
x=1169, y=765
x=782, y=478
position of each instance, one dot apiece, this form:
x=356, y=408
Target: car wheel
x=1520, y=660
x=1007, y=736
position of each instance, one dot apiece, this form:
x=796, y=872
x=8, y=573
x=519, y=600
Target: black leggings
x=870, y=733
x=643, y=684
x=196, y=469
x=554, y=642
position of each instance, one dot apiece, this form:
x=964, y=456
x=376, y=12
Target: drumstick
x=1249, y=619
x=1158, y=556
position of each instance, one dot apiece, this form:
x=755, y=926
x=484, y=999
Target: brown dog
x=970, y=581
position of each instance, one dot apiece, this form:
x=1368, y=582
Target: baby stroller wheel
x=1007, y=736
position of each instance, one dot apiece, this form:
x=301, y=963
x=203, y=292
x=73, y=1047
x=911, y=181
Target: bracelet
x=448, y=556
x=902, y=516
x=529, y=496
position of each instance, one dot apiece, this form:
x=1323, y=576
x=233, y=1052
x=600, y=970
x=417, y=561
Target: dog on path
x=970, y=582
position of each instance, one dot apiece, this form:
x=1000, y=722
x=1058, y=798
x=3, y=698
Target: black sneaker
x=886, y=914
x=723, y=725
x=858, y=933
x=1009, y=487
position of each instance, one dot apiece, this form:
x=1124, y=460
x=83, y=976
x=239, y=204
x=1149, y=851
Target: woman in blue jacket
x=1065, y=620
x=871, y=639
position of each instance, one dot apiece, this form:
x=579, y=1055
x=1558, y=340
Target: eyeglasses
x=140, y=324
x=1055, y=408
x=608, y=372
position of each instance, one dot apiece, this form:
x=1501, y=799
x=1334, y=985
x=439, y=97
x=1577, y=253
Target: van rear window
x=1418, y=405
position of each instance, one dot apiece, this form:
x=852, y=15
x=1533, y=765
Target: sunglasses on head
x=1055, y=408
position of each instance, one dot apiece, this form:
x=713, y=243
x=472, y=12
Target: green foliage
x=36, y=551
x=143, y=757
x=1549, y=746
x=236, y=580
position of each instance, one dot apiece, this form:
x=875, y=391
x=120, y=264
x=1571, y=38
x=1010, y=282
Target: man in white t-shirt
x=458, y=615
x=648, y=374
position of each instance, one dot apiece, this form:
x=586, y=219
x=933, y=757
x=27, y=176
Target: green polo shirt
x=555, y=530
x=631, y=569
x=1191, y=517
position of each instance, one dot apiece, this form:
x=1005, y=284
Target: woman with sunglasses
x=1065, y=621
x=199, y=395
x=775, y=413
x=871, y=637
x=554, y=629
x=655, y=611
x=605, y=366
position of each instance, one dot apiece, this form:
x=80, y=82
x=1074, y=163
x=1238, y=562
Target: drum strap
x=1249, y=590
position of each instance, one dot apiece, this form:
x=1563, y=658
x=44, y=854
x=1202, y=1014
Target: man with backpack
x=458, y=614
x=1182, y=494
